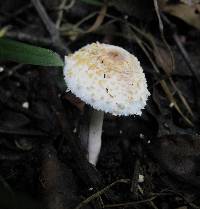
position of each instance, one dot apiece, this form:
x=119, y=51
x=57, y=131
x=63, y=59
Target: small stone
x=1, y=69
x=141, y=136
x=25, y=105
x=171, y=105
x=74, y=130
x=141, y=178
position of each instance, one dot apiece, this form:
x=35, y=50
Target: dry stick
x=50, y=26
x=130, y=204
x=70, y=5
x=99, y=19
x=182, y=98
x=61, y=9
x=91, y=15
x=161, y=27
x=181, y=48
x=151, y=201
x=102, y=191
x=164, y=84
x=60, y=13
x=186, y=56
x=162, y=33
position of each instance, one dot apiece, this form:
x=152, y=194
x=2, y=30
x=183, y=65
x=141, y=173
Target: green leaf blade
x=28, y=54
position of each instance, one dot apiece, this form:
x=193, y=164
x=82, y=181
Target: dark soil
x=42, y=162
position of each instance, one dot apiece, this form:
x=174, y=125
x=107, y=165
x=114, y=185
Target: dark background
x=42, y=162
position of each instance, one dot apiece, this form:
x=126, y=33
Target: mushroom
x=110, y=80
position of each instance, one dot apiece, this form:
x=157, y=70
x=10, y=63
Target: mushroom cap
x=108, y=78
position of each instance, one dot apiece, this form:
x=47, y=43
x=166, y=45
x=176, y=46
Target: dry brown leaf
x=163, y=59
x=188, y=13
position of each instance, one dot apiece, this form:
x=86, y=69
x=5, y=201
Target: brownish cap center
x=115, y=56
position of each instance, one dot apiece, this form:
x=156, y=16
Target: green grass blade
x=27, y=54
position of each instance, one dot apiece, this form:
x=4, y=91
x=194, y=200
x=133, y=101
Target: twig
x=60, y=13
x=151, y=201
x=181, y=48
x=186, y=57
x=70, y=5
x=99, y=19
x=161, y=27
x=102, y=191
x=181, y=97
x=50, y=26
x=130, y=204
x=91, y=15
x=164, y=84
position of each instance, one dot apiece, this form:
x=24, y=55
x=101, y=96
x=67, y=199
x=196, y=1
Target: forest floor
x=148, y=161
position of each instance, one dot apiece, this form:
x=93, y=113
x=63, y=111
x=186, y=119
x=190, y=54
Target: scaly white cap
x=108, y=78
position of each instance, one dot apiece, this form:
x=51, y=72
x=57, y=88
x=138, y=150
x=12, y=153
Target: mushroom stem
x=95, y=132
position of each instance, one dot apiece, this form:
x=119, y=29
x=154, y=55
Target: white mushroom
x=111, y=80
